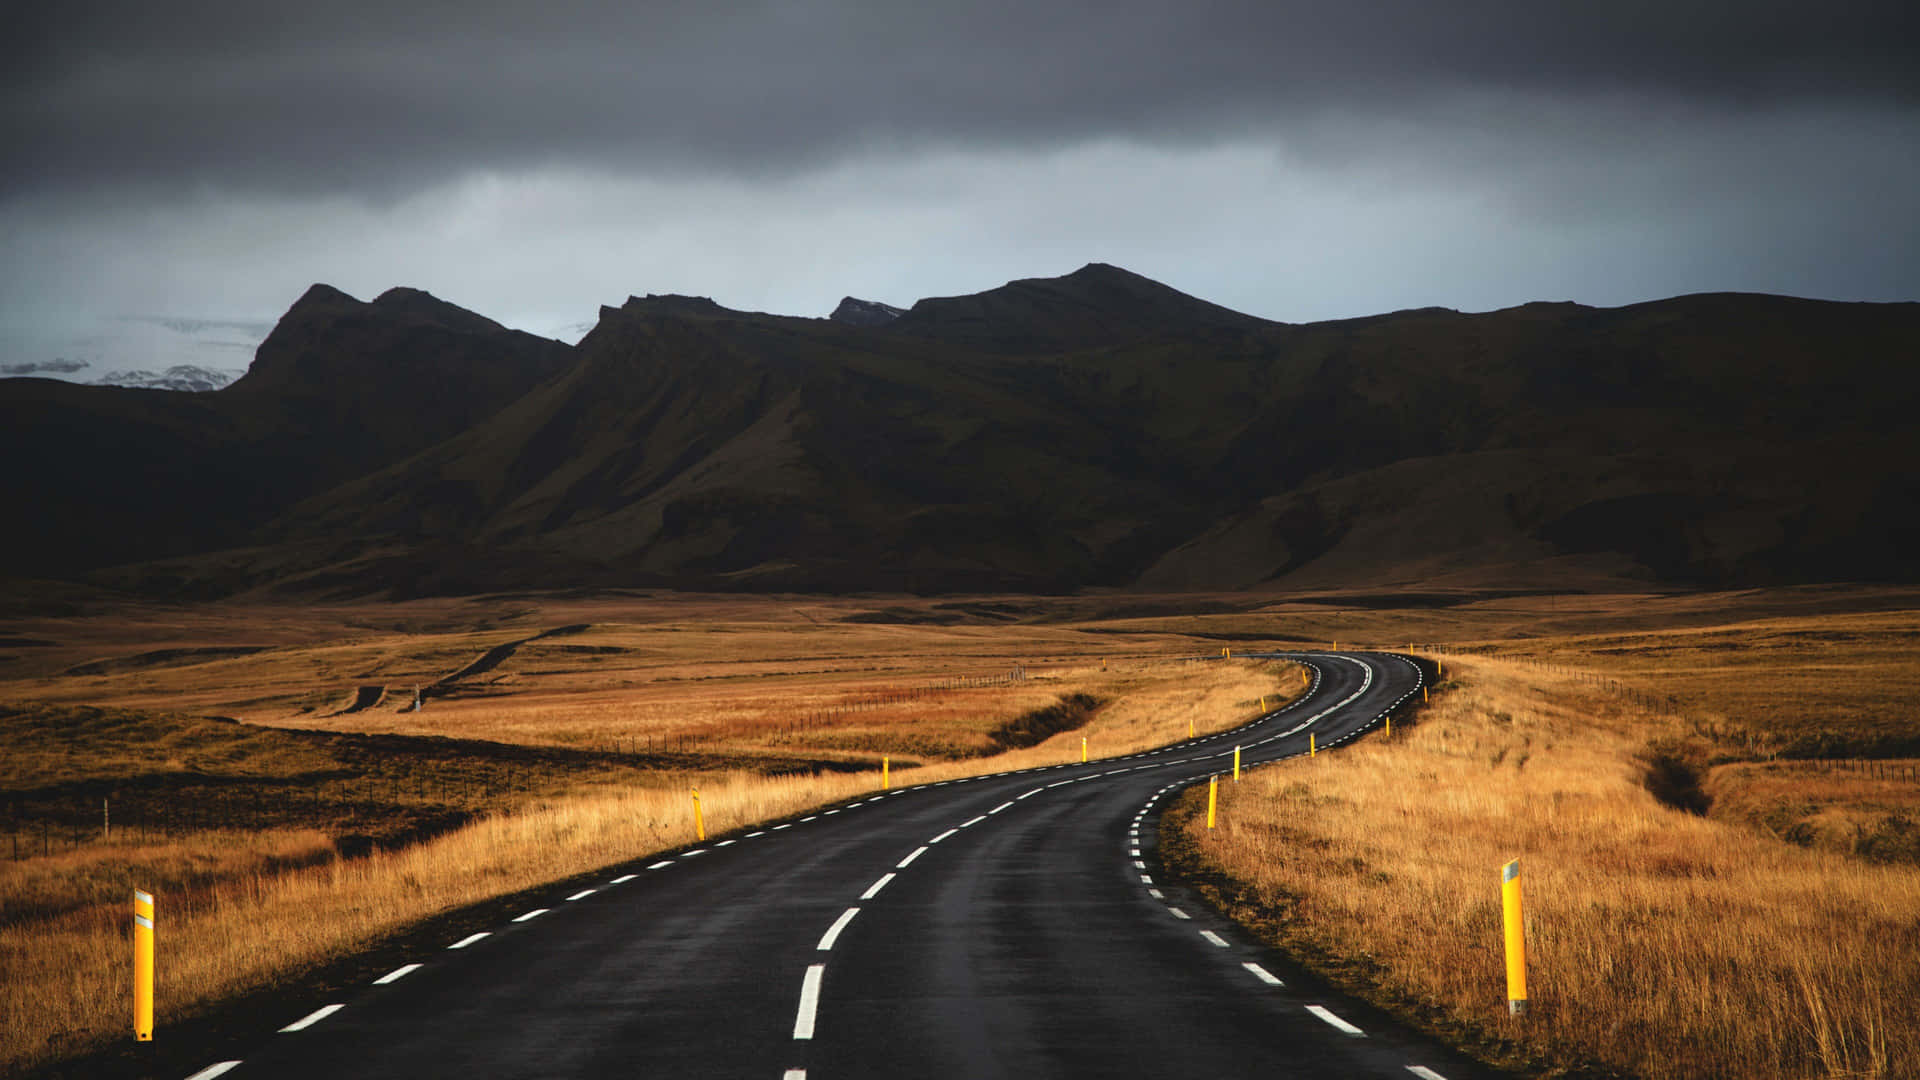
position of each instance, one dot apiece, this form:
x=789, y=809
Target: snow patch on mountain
x=190, y=378
x=857, y=312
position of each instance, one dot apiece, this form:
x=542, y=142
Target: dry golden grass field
x=214, y=757
x=255, y=758
x=1697, y=905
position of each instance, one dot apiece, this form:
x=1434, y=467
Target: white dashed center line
x=581, y=895
x=1215, y=938
x=1424, y=1073
x=623, y=879
x=809, y=1001
x=534, y=914
x=211, y=1071
x=873, y=890
x=833, y=932
x=908, y=861
x=943, y=836
x=396, y=974
x=975, y=821
x=312, y=1018
x=999, y=808
x=470, y=939
x=1178, y=914
x=661, y=865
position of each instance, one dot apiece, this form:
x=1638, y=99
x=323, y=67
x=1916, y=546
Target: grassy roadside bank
x=65, y=988
x=1662, y=943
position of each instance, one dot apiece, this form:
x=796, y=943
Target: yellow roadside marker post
x=699, y=822
x=1189, y=727
x=1516, y=934
x=1313, y=749
x=1083, y=749
x=1263, y=703
x=1213, y=797
x=1236, y=764
x=142, y=966
x=886, y=773
x=1389, y=725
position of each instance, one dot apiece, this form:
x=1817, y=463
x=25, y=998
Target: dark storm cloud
x=366, y=97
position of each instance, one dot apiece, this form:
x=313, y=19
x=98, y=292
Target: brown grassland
x=297, y=836
x=1696, y=905
x=1711, y=793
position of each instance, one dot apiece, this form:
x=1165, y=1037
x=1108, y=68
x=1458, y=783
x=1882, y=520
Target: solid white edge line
x=917, y=852
x=470, y=939
x=833, y=932
x=312, y=1018
x=220, y=1069
x=1214, y=938
x=1323, y=1013
x=1420, y=1071
x=1263, y=974
x=581, y=895
x=397, y=974
x=873, y=890
x=809, y=1001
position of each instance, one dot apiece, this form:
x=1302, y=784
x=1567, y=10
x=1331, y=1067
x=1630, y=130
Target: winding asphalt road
x=1002, y=926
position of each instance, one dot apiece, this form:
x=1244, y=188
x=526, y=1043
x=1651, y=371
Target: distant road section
x=1005, y=926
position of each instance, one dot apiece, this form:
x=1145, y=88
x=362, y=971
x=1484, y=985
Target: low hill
x=1098, y=429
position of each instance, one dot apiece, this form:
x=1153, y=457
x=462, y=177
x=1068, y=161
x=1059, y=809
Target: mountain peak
x=857, y=312
x=421, y=306
x=1096, y=306
x=321, y=294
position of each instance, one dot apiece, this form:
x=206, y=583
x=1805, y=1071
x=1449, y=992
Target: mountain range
x=1094, y=430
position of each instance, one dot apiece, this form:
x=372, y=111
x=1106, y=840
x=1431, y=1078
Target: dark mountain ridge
x=1094, y=429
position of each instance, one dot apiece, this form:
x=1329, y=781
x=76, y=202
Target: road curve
x=1001, y=926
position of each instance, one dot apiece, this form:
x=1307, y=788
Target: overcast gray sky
x=1300, y=161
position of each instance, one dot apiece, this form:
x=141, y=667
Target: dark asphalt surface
x=1006, y=926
